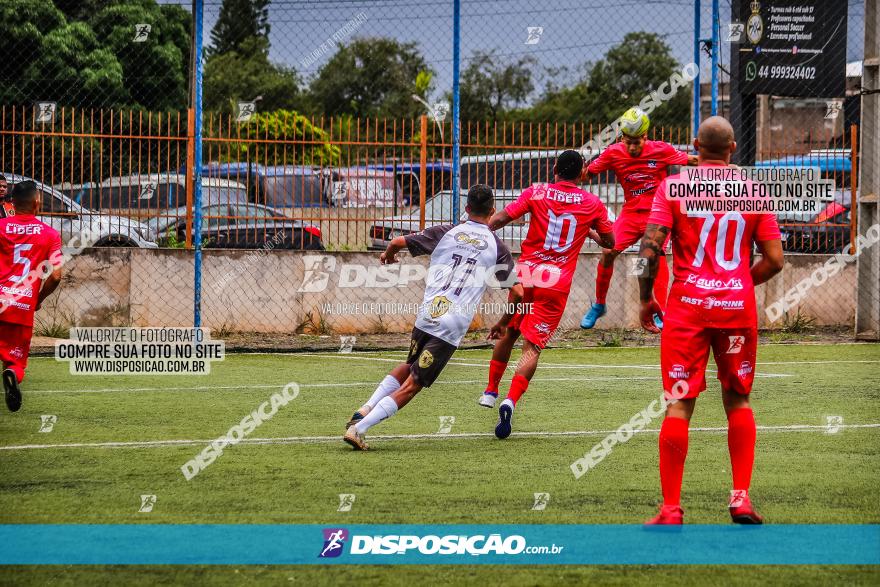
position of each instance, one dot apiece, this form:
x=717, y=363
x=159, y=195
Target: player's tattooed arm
x=500, y=220
x=651, y=251
x=603, y=239
x=650, y=255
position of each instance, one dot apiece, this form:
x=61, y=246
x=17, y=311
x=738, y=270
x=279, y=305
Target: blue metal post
x=456, y=113
x=198, y=9
x=696, y=120
x=716, y=50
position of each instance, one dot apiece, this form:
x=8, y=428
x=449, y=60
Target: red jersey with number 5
x=711, y=266
x=25, y=244
x=561, y=215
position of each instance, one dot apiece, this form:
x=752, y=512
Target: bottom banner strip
x=152, y=544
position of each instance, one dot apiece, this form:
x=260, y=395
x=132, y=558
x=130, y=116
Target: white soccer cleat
x=487, y=400
x=355, y=439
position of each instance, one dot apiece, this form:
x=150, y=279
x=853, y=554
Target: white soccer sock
x=386, y=408
x=388, y=386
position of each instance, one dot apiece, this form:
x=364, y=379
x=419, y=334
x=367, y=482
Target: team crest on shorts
x=439, y=306
x=426, y=359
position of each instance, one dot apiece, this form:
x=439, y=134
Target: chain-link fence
x=327, y=126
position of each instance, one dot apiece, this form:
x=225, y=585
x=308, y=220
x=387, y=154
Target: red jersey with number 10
x=25, y=243
x=711, y=266
x=561, y=216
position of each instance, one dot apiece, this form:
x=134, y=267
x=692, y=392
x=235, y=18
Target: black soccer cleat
x=12, y=391
x=503, y=428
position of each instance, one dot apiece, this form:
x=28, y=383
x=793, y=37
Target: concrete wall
x=264, y=292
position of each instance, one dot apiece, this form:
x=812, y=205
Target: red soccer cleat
x=741, y=510
x=670, y=515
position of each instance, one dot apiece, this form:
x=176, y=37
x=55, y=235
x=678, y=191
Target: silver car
x=85, y=227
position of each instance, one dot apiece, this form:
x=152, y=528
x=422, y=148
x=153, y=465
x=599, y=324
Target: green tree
x=238, y=22
x=621, y=79
x=280, y=126
x=492, y=86
x=91, y=60
x=246, y=75
x=156, y=70
x=372, y=77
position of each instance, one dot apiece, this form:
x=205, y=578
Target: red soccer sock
x=518, y=386
x=741, y=435
x=603, y=281
x=661, y=283
x=496, y=372
x=673, y=452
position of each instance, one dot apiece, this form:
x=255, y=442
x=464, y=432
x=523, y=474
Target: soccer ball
x=634, y=122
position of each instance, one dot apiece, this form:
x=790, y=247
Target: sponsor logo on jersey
x=467, y=238
x=23, y=228
x=426, y=359
x=745, y=368
x=678, y=372
x=439, y=306
x=652, y=163
x=736, y=344
x=713, y=302
x=714, y=284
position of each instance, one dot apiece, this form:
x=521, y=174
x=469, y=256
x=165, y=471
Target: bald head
x=714, y=140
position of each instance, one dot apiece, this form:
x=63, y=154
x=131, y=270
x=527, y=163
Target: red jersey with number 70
x=561, y=216
x=711, y=266
x=25, y=244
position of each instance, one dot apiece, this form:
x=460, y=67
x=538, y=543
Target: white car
x=150, y=192
x=82, y=227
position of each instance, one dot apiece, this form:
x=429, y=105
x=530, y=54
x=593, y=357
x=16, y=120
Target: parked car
x=438, y=210
x=280, y=186
x=85, y=226
x=299, y=186
x=438, y=176
x=827, y=232
x=360, y=187
x=240, y=226
x=152, y=192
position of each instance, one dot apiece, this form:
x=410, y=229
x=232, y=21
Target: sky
x=574, y=31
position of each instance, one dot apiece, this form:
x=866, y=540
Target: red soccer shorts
x=684, y=353
x=629, y=228
x=15, y=345
x=545, y=309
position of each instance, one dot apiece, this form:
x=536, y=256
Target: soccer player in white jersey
x=465, y=259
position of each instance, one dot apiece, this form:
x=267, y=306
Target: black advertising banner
x=792, y=48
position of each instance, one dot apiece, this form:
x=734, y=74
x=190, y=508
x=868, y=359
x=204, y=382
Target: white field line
x=435, y=436
x=245, y=387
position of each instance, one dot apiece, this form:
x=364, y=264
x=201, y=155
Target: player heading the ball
x=639, y=165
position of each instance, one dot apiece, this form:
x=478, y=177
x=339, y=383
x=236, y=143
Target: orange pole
x=423, y=173
x=190, y=171
x=854, y=183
